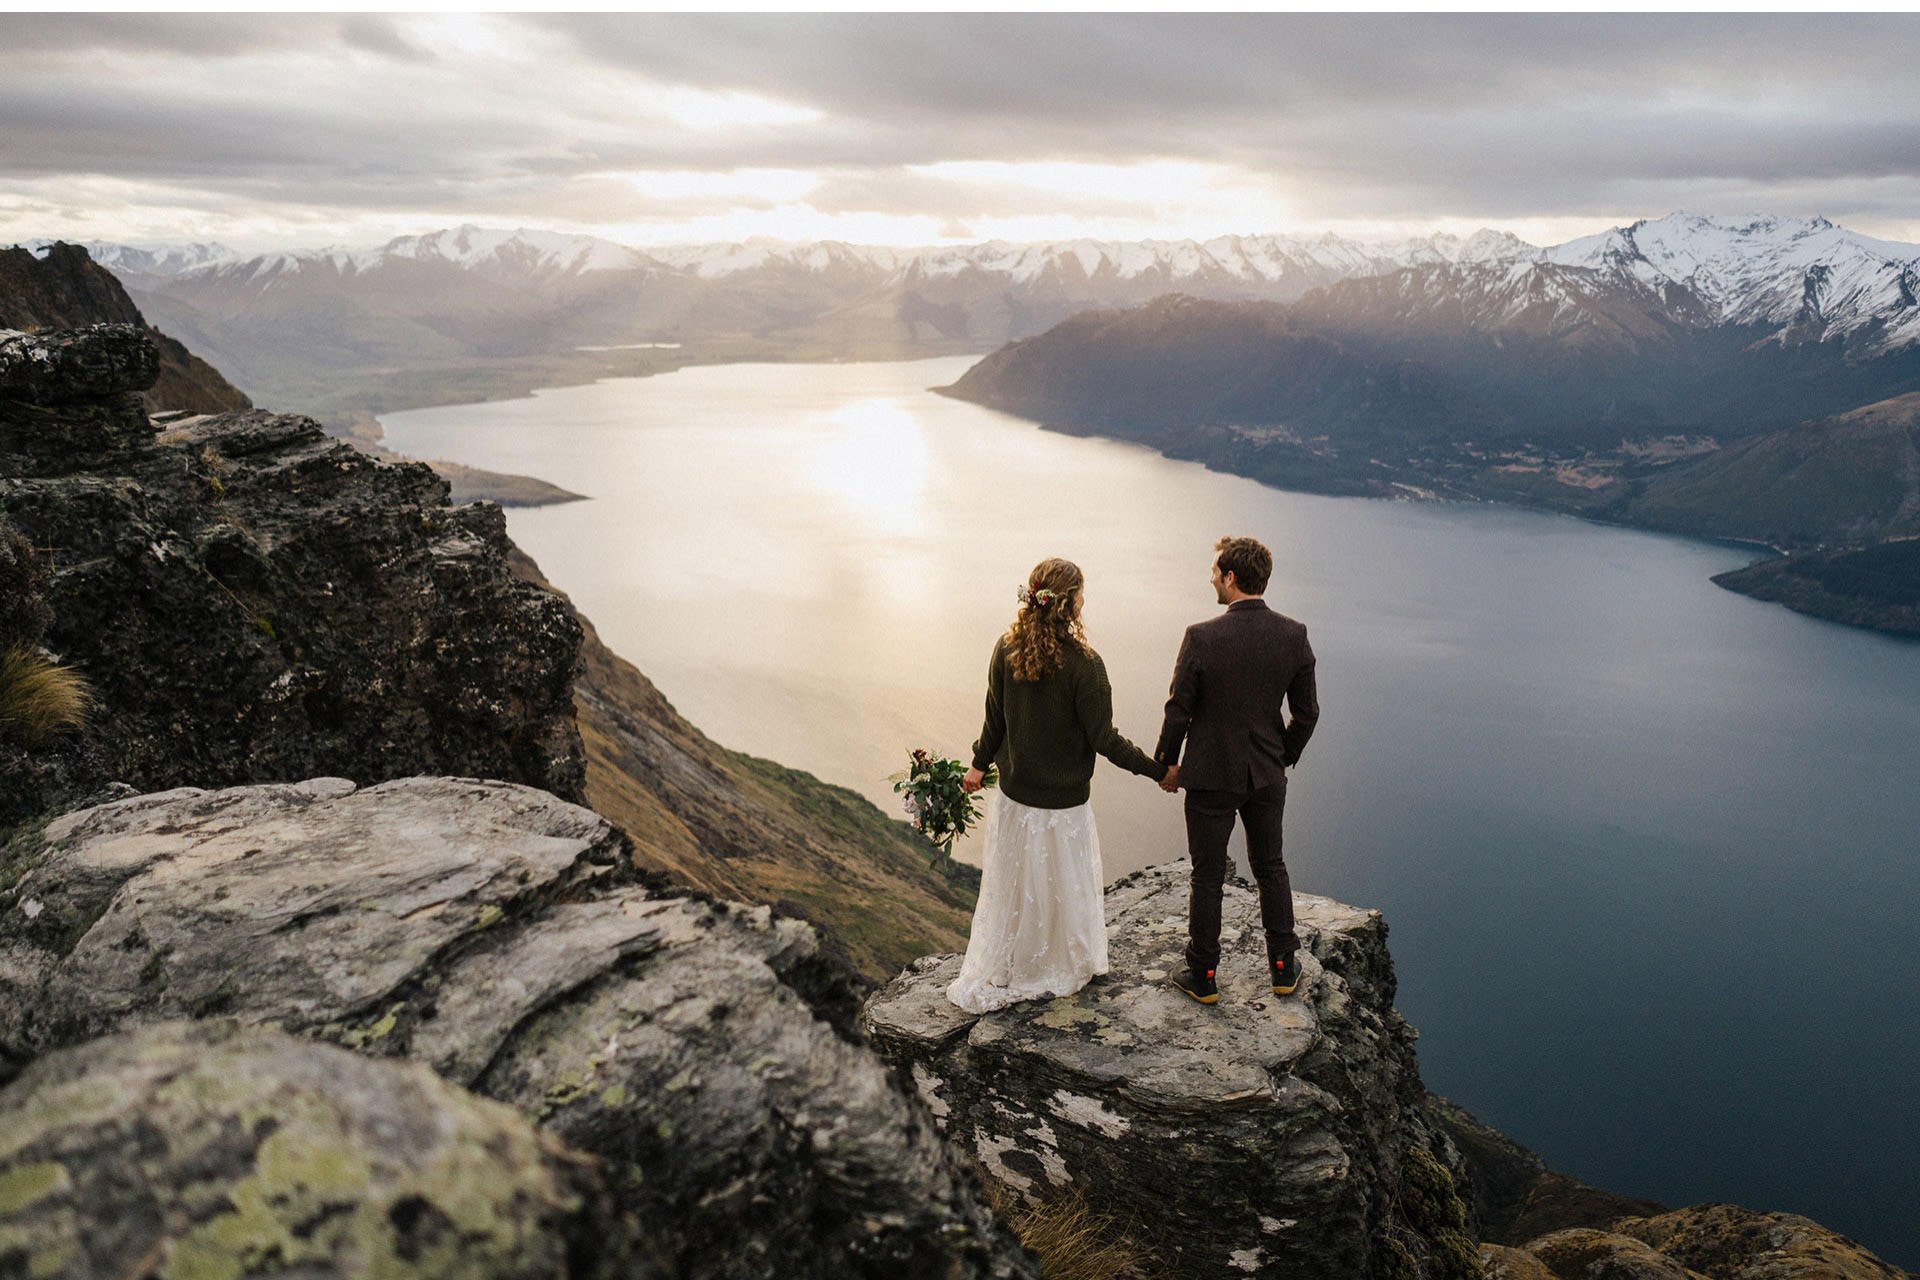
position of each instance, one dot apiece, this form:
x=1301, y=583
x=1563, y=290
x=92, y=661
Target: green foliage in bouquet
x=938, y=806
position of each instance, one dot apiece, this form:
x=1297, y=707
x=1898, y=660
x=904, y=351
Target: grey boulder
x=209, y=1149
x=496, y=933
x=1263, y=1136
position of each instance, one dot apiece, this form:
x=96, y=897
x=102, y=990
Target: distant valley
x=472, y=314
x=1749, y=379
x=1740, y=379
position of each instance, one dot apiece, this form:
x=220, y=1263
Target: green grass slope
x=1852, y=477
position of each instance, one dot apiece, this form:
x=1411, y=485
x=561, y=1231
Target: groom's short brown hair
x=1250, y=563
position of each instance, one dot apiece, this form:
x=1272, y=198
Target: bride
x=1039, y=927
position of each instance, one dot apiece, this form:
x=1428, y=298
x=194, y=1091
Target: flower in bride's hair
x=1036, y=599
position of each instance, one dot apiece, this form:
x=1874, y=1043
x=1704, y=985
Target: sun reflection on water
x=874, y=460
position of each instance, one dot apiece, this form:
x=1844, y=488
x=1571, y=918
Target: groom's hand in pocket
x=1171, y=783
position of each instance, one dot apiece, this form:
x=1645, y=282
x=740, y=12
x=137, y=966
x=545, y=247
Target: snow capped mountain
x=1503, y=299
x=1487, y=245
x=1801, y=280
x=1814, y=280
x=1809, y=278
x=487, y=290
x=519, y=259
x=1249, y=259
x=524, y=249
x=147, y=259
x=716, y=261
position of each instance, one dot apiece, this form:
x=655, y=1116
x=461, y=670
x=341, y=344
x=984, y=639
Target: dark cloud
x=1100, y=69
x=1494, y=117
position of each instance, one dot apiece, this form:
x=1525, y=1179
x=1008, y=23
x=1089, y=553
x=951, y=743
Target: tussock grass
x=39, y=697
x=1072, y=1240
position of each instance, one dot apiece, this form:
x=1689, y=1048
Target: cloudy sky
x=913, y=129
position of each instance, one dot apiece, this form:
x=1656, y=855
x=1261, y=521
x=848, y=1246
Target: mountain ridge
x=471, y=312
x=1725, y=259
x=1562, y=388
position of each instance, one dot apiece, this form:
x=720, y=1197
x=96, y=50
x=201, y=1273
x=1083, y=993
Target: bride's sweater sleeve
x=1094, y=699
x=993, y=731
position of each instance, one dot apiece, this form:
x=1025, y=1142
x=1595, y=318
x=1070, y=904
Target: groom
x=1225, y=705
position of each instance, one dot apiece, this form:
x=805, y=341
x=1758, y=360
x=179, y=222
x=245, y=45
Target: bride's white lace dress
x=1039, y=926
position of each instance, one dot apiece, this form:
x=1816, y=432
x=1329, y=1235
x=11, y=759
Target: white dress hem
x=1039, y=926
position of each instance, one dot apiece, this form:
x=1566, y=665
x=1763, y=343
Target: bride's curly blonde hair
x=1048, y=621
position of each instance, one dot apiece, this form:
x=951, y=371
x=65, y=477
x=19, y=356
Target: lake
x=1647, y=848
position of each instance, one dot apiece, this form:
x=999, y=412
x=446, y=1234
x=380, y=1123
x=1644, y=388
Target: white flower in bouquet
x=936, y=800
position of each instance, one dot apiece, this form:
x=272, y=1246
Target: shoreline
x=364, y=427
x=522, y=378
x=1840, y=610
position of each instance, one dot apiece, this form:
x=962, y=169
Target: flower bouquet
x=938, y=806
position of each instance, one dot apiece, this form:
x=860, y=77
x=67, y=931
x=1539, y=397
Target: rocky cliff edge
x=1283, y=1137
x=703, y=1051
x=61, y=287
x=1261, y=1136
x=252, y=600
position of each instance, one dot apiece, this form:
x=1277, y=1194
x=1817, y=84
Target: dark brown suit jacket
x=1225, y=705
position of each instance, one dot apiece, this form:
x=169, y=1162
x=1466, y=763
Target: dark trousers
x=1210, y=817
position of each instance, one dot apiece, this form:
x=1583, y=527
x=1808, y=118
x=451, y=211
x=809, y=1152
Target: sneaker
x=1286, y=974
x=1198, y=983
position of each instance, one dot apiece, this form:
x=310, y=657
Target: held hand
x=971, y=783
x=1171, y=783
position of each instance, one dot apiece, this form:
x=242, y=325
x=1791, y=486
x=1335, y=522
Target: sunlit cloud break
x=276, y=131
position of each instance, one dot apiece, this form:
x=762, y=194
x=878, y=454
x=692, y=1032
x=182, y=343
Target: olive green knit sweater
x=1043, y=734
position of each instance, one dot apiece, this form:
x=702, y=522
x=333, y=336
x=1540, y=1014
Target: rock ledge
x=1262, y=1136
x=498, y=935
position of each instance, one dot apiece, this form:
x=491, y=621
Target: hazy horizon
x=1304, y=234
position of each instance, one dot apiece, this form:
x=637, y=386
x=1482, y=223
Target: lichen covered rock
x=70, y=398
x=252, y=600
x=73, y=365
x=303, y=904
x=211, y=1150
x=495, y=933
x=1262, y=1136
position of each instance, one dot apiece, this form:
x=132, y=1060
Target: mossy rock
x=207, y=1151
x=1727, y=1240
x=1434, y=1211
